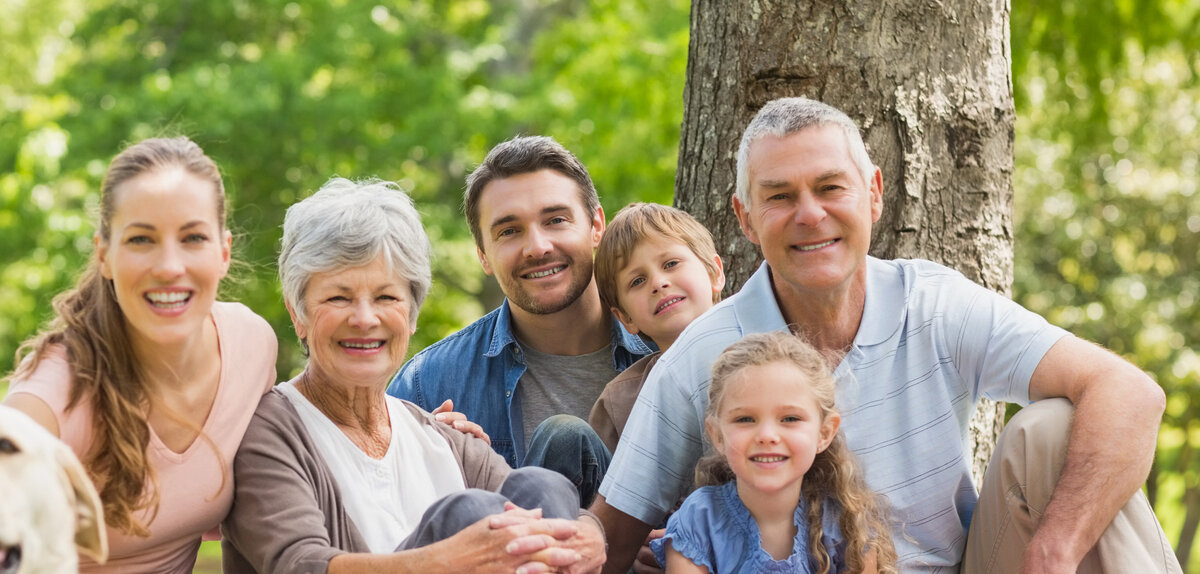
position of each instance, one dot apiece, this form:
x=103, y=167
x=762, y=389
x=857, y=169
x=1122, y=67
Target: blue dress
x=714, y=529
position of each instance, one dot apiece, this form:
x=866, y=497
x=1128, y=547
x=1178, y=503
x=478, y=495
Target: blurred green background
x=285, y=94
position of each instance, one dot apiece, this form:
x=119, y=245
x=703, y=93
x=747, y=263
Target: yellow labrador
x=48, y=506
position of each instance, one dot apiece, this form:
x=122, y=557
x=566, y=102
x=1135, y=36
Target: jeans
x=568, y=446
x=528, y=487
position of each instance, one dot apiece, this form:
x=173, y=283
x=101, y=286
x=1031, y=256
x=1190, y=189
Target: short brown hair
x=634, y=223
x=525, y=155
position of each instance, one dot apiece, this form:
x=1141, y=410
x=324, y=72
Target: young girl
x=147, y=377
x=782, y=492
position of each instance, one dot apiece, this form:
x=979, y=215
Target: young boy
x=656, y=269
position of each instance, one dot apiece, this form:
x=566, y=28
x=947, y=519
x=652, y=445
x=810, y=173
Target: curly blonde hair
x=90, y=326
x=834, y=475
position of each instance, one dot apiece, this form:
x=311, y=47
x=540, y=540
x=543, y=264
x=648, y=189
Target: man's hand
x=445, y=414
x=646, y=563
x=626, y=535
x=1039, y=558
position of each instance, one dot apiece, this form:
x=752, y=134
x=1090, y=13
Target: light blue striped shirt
x=930, y=345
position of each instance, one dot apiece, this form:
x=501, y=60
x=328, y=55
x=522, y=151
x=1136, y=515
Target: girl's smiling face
x=770, y=428
x=166, y=254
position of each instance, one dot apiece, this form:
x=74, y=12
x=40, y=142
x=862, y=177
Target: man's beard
x=518, y=296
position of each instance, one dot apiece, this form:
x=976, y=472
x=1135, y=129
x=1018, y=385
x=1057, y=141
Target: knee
x=1036, y=437
x=563, y=427
x=467, y=506
x=562, y=434
x=537, y=479
x=536, y=487
x=1045, y=419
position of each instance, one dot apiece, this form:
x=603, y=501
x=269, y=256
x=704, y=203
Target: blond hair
x=90, y=326
x=632, y=225
x=834, y=474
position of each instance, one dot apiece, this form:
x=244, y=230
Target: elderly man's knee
x=1034, y=443
x=1047, y=419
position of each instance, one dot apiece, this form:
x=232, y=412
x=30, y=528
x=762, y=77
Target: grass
x=209, y=560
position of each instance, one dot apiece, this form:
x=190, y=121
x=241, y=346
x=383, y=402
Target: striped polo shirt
x=930, y=345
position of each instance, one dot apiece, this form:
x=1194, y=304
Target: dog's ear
x=90, y=536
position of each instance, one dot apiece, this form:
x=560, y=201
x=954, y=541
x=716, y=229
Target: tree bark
x=1191, y=520
x=928, y=83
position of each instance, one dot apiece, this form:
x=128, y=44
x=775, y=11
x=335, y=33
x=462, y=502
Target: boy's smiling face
x=663, y=287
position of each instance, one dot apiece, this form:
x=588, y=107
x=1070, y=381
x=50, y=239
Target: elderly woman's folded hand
x=560, y=545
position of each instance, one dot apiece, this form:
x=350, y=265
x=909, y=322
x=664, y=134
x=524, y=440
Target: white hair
x=348, y=224
x=786, y=116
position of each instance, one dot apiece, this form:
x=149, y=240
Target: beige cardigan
x=287, y=511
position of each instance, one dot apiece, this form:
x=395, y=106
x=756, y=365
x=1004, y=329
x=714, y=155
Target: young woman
x=147, y=377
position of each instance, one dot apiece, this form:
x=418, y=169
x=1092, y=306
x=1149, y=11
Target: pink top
x=191, y=499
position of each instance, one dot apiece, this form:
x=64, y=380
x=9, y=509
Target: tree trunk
x=1191, y=520
x=929, y=85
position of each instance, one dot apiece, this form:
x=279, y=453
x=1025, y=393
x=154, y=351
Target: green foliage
x=1107, y=209
x=284, y=95
x=1089, y=41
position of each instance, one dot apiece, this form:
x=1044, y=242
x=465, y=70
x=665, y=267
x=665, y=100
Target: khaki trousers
x=1017, y=486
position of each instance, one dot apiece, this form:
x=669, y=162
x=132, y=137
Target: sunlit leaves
x=1105, y=192
x=286, y=94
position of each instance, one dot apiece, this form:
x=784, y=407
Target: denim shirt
x=478, y=367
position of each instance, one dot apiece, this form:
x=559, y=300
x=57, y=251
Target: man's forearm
x=625, y=535
x=1109, y=452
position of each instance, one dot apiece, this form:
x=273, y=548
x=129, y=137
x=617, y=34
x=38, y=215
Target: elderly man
x=914, y=346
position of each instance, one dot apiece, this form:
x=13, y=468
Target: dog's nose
x=10, y=559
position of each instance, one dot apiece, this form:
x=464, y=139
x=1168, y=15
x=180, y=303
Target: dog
x=49, y=509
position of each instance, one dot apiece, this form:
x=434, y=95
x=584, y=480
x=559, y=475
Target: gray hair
x=786, y=116
x=348, y=224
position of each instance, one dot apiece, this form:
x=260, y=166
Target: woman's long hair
x=91, y=328
x=834, y=474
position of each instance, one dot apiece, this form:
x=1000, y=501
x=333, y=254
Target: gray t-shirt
x=561, y=384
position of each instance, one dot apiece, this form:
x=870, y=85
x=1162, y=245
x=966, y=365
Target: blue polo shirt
x=479, y=367
x=930, y=345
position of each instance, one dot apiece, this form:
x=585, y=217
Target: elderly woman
x=334, y=475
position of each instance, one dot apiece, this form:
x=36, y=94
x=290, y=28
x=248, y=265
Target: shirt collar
x=626, y=347
x=758, y=310
x=502, y=335
x=885, y=305
x=755, y=304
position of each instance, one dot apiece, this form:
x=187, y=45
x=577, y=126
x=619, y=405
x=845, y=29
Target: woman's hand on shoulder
x=445, y=413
